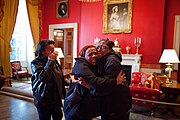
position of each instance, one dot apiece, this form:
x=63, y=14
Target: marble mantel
x=134, y=60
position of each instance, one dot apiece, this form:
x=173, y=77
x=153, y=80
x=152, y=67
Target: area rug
x=22, y=88
x=24, y=92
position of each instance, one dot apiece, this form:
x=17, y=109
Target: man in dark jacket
x=118, y=102
x=47, y=82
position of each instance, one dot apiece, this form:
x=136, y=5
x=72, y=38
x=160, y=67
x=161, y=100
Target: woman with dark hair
x=119, y=100
x=47, y=82
x=93, y=89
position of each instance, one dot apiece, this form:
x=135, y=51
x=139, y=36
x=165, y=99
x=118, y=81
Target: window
x=22, y=41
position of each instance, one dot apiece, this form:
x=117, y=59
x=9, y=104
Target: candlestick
x=137, y=43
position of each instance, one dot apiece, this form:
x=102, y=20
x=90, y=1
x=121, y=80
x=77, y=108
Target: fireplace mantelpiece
x=133, y=60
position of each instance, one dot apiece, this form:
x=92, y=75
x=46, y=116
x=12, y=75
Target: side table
x=171, y=92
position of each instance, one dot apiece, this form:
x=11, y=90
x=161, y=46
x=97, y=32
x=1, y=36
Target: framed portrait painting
x=117, y=16
x=62, y=9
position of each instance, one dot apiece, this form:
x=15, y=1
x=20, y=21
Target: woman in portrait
x=114, y=19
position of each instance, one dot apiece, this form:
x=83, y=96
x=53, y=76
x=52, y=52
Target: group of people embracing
x=99, y=78
x=107, y=95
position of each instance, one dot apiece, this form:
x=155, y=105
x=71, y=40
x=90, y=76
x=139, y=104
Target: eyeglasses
x=92, y=53
x=102, y=47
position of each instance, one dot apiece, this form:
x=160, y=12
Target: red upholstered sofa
x=145, y=87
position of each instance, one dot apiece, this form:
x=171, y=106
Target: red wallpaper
x=147, y=23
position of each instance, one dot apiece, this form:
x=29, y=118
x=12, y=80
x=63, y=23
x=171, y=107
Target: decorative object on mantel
x=116, y=47
x=128, y=48
x=137, y=43
x=89, y=0
x=96, y=41
x=169, y=56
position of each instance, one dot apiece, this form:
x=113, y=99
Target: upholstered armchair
x=19, y=71
x=145, y=89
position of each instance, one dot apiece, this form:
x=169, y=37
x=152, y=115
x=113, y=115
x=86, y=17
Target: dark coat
x=47, y=89
x=87, y=108
x=99, y=85
x=119, y=100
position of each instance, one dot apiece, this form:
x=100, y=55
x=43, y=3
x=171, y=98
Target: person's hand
x=84, y=83
x=80, y=80
x=121, y=78
x=74, y=80
x=53, y=55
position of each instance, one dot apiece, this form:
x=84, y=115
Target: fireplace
x=127, y=71
x=130, y=63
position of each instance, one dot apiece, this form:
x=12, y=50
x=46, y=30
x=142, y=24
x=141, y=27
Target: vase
x=128, y=49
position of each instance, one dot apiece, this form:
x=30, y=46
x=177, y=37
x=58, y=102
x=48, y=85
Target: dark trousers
x=116, y=117
x=45, y=114
x=86, y=109
x=45, y=111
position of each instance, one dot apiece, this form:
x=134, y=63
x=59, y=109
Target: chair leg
x=153, y=111
x=17, y=77
x=10, y=83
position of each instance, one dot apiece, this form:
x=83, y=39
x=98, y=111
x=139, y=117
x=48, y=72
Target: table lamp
x=60, y=55
x=169, y=56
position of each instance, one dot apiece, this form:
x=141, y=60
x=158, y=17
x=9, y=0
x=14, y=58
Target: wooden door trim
x=52, y=27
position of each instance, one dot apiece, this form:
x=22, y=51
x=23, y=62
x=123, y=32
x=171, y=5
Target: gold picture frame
x=62, y=9
x=117, y=16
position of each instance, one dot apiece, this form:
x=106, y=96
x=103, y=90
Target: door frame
x=176, y=41
x=52, y=27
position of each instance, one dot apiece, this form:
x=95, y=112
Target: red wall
x=147, y=23
x=49, y=15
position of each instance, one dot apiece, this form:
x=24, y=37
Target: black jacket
x=99, y=86
x=46, y=88
x=119, y=99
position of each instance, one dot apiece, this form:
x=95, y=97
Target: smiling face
x=91, y=55
x=102, y=48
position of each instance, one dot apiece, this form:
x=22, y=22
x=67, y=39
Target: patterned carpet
x=20, y=89
x=25, y=85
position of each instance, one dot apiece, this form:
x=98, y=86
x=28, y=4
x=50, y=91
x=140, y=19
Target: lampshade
x=89, y=0
x=169, y=56
x=60, y=55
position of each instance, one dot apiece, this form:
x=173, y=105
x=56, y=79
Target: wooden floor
x=16, y=109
